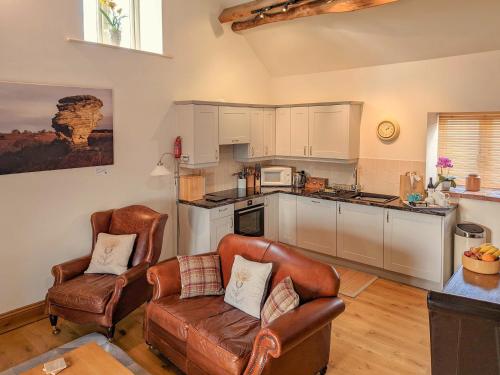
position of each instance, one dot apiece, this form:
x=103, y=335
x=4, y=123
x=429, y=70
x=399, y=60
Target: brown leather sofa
x=106, y=299
x=204, y=335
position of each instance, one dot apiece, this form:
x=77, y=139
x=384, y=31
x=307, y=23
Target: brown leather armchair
x=106, y=299
x=206, y=336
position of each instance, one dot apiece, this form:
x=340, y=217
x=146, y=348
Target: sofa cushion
x=281, y=300
x=175, y=315
x=200, y=276
x=222, y=344
x=89, y=292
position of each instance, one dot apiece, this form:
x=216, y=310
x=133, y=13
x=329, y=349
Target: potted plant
x=446, y=181
x=113, y=18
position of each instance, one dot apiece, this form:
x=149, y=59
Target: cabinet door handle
x=235, y=140
x=232, y=223
x=305, y=150
x=387, y=216
x=310, y=150
x=222, y=209
x=216, y=154
x=340, y=209
x=318, y=202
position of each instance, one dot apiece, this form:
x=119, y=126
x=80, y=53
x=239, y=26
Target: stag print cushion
x=111, y=253
x=248, y=285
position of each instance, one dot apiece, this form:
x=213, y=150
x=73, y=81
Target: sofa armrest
x=289, y=330
x=165, y=278
x=69, y=270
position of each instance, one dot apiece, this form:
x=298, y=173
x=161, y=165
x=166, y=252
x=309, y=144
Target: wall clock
x=388, y=131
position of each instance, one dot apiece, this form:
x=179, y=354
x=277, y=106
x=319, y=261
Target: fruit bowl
x=479, y=266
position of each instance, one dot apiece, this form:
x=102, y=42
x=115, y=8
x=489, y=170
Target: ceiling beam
x=312, y=8
x=245, y=10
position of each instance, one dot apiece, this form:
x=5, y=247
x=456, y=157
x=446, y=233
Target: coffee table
x=85, y=354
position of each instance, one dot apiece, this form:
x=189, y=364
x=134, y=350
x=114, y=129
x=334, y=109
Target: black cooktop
x=221, y=196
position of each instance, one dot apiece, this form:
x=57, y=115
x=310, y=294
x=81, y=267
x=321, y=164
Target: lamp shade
x=160, y=170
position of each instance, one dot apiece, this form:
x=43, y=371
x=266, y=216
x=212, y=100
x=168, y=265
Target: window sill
x=119, y=48
x=490, y=195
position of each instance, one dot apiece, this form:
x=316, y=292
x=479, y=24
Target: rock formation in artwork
x=77, y=118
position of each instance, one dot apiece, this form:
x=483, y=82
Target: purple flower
x=444, y=162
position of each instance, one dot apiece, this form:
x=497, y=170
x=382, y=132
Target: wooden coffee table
x=88, y=355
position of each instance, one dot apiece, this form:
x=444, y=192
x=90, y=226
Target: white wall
x=406, y=92
x=44, y=216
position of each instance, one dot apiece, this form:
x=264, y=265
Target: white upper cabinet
x=198, y=125
x=334, y=131
x=413, y=244
x=283, y=131
x=299, y=136
x=269, y=132
x=234, y=125
x=316, y=225
x=256, y=149
x=360, y=233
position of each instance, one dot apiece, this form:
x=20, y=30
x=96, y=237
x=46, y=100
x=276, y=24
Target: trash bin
x=467, y=235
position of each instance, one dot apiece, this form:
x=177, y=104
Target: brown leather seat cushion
x=175, y=315
x=89, y=292
x=223, y=342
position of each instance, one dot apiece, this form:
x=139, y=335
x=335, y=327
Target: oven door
x=249, y=221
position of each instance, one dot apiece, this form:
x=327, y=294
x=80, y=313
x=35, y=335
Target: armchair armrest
x=132, y=274
x=289, y=330
x=165, y=278
x=69, y=270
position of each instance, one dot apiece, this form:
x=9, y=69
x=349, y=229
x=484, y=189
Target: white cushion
x=248, y=284
x=111, y=253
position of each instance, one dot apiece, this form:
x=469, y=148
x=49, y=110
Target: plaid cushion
x=200, y=276
x=282, y=299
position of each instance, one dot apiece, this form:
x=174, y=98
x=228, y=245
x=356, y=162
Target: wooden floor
x=383, y=331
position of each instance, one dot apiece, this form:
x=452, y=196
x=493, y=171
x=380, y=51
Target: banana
x=491, y=251
x=497, y=253
x=484, y=249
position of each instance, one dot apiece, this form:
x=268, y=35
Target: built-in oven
x=249, y=217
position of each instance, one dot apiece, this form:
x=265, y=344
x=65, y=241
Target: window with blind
x=472, y=142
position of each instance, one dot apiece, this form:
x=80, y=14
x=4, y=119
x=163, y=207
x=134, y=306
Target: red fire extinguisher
x=178, y=147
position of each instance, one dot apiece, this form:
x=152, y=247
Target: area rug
x=352, y=282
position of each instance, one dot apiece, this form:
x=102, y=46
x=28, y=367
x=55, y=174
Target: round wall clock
x=388, y=131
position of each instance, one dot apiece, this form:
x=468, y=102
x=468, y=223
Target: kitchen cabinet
x=261, y=125
x=201, y=229
x=288, y=219
x=269, y=132
x=334, y=131
x=234, y=125
x=198, y=125
x=360, y=233
x=283, y=131
x=299, y=128
x=413, y=245
x=271, y=217
x=317, y=225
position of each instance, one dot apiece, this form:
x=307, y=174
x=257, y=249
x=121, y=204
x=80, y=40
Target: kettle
x=299, y=179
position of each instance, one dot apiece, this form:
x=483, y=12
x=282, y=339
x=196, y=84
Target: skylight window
x=135, y=24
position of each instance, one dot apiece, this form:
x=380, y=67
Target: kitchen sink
x=372, y=197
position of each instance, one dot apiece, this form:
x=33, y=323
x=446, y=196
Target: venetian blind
x=472, y=142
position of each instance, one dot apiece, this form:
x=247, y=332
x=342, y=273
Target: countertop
x=238, y=195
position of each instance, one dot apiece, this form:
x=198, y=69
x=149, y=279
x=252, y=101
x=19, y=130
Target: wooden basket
x=479, y=266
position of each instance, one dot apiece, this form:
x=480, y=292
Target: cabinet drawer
x=223, y=211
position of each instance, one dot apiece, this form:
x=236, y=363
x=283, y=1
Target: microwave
x=276, y=176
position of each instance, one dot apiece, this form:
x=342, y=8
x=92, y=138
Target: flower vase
x=445, y=185
x=116, y=37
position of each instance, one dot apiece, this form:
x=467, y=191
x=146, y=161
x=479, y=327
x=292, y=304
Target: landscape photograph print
x=46, y=127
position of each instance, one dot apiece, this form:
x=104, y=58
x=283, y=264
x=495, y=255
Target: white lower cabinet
x=201, y=229
x=288, y=219
x=360, y=233
x=271, y=217
x=317, y=225
x=414, y=244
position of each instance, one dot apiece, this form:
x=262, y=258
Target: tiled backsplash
x=374, y=175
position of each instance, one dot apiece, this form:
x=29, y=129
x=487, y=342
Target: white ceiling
x=408, y=30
